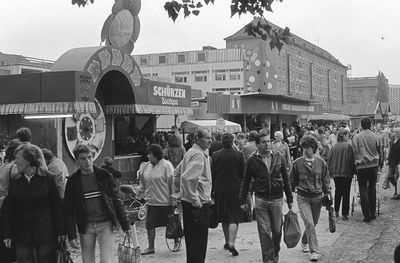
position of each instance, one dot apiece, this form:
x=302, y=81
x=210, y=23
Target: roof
x=298, y=41
x=368, y=108
x=193, y=125
x=272, y=96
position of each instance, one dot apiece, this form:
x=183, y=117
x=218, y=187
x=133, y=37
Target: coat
x=341, y=160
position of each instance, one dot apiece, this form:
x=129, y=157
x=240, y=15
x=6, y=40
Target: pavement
x=353, y=241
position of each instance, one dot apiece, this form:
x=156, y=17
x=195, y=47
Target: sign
x=168, y=94
x=220, y=124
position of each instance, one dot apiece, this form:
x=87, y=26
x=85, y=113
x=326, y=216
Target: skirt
x=157, y=216
x=228, y=208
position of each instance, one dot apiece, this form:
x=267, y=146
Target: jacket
x=394, y=154
x=310, y=182
x=268, y=183
x=227, y=167
x=341, y=160
x=74, y=203
x=367, y=149
x=33, y=210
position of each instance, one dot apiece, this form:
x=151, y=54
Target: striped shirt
x=95, y=206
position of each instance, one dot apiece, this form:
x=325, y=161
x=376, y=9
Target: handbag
x=63, y=254
x=213, y=216
x=129, y=251
x=174, y=226
x=291, y=229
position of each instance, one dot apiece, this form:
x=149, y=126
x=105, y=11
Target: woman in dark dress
x=227, y=169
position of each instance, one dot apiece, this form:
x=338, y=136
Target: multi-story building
x=17, y=64
x=394, y=99
x=364, y=90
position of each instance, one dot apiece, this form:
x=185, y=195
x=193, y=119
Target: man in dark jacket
x=393, y=161
x=216, y=144
x=92, y=203
x=267, y=168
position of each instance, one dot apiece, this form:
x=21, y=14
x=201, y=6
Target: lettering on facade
x=114, y=58
x=169, y=92
x=290, y=107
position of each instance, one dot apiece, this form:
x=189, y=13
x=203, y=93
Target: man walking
x=92, y=203
x=267, y=168
x=368, y=157
x=195, y=188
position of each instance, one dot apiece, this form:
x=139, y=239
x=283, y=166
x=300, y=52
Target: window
x=201, y=56
x=234, y=74
x=220, y=75
x=181, y=58
x=180, y=77
x=200, y=76
x=143, y=61
x=162, y=59
x=147, y=75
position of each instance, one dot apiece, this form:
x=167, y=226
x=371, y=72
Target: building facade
x=394, y=99
x=18, y=64
x=364, y=90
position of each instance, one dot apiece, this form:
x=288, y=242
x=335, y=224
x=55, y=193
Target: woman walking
x=342, y=168
x=156, y=184
x=310, y=177
x=227, y=169
x=33, y=210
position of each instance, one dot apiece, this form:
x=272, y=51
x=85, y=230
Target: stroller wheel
x=141, y=214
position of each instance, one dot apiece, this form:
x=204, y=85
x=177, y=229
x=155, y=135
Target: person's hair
x=309, y=141
x=227, y=140
x=240, y=136
x=48, y=155
x=155, y=150
x=190, y=137
x=173, y=140
x=30, y=153
x=259, y=136
x=218, y=136
x=366, y=123
x=397, y=254
x=252, y=136
x=82, y=148
x=278, y=133
x=108, y=161
x=342, y=135
x=200, y=133
x=24, y=134
x=10, y=151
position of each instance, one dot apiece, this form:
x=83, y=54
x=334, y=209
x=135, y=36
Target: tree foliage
x=259, y=28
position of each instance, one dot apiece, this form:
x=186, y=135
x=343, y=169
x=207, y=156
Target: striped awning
x=147, y=109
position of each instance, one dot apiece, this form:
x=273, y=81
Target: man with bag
x=267, y=167
x=195, y=192
x=92, y=203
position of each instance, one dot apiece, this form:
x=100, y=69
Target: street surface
x=353, y=241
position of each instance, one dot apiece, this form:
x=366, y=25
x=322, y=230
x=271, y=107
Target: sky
x=363, y=33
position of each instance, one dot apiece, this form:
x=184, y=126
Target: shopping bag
x=174, y=226
x=213, y=217
x=63, y=255
x=332, y=222
x=129, y=251
x=291, y=229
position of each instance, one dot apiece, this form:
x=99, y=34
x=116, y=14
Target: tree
x=258, y=28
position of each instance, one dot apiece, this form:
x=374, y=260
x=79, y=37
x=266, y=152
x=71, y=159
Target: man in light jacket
x=368, y=156
x=194, y=177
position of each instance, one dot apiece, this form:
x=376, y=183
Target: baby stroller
x=135, y=207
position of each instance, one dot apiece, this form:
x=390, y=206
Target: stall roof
x=193, y=125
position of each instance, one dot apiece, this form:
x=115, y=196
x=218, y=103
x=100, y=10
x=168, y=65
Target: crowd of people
x=42, y=205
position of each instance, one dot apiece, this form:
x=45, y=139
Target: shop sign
x=297, y=108
x=168, y=94
x=113, y=57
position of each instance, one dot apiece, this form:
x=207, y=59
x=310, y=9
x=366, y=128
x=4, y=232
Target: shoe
x=148, y=251
x=314, y=257
x=345, y=218
x=305, y=248
x=337, y=214
x=367, y=220
x=233, y=250
x=177, y=247
x=373, y=217
x=226, y=246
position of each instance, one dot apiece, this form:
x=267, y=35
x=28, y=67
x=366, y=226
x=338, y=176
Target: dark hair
x=174, y=140
x=10, y=151
x=24, y=134
x=155, y=150
x=252, y=136
x=309, y=141
x=227, y=140
x=341, y=135
x=30, y=153
x=240, y=136
x=366, y=123
x=108, y=161
x=259, y=136
x=218, y=136
x=82, y=148
x=48, y=155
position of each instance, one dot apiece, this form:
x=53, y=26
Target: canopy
x=330, y=117
x=193, y=125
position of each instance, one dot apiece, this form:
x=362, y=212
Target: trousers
x=367, y=186
x=342, y=193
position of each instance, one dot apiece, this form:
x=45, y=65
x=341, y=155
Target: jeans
x=195, y=226
x=342, y=191
x=103, y=231
x=367, y=185
x=310, y=210
x=36, y=253
x=269, y=225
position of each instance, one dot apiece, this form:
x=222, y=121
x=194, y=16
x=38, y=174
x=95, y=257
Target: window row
x=181, y=58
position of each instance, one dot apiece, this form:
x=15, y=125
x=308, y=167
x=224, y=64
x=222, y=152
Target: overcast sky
x=363, y=33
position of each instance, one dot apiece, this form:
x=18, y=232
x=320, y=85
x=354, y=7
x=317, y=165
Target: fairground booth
x=96, y=96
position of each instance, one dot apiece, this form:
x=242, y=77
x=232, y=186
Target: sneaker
x=314, y=257
x=148, y=251
x=233, y=250
x=305, y=248
x=226, y=246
